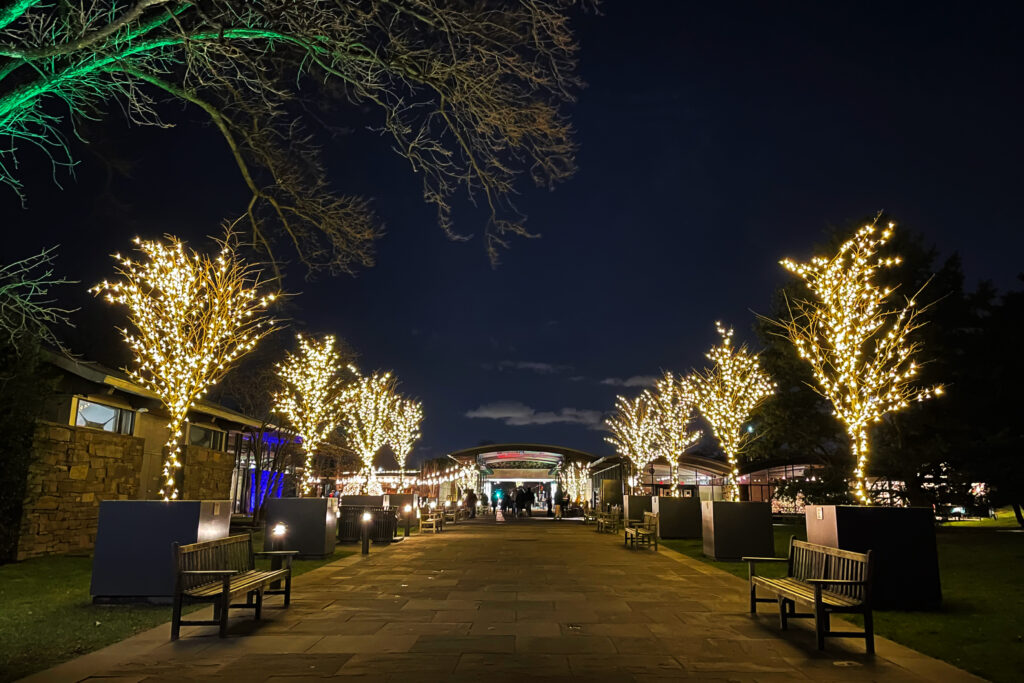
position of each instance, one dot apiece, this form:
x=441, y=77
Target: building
x=101, y=437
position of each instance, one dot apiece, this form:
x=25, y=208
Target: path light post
x=365, y=531
x=408, y=519
x=277, y=534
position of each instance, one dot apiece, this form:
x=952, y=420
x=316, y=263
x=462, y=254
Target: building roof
x=99, y=374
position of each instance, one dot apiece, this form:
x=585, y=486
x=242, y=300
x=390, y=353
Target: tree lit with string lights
x=634, y=432
x=311, y=396
x=674, y=406
x=574, y=478
x=727, y=394
x=404, y=431
x=367, y=407
x=191, y=316
x=859, y=345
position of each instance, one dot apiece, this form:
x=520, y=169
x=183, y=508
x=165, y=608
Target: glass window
x=205, y=438
x=100, y=416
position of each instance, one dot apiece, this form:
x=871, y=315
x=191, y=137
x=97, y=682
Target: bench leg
x=225, y=599
x=869, y=632
x=753, y=597
x=259, y=603
x=176, y=618
x=288, y=589
x=783, y=620
x=821, y=624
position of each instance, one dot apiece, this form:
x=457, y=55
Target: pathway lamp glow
x=364, y=532
x=277, y=534
x=408, y=519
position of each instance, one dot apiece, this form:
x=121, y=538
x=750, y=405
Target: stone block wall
x=207, y=473
x=72, y=470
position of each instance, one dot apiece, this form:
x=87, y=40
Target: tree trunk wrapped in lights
x=726, y=396
x=859, y=347
x=311, y=397
x=634, y=428
x=193, y=316
x=367, y=406
x=404, y=432
x=674, y=406
x=574, y=479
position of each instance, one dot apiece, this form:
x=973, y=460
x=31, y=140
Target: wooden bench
x=609, y=521
x=219, y=571
x=589, y=515
x=431, y=521
x=830, y=580
x=644, y=532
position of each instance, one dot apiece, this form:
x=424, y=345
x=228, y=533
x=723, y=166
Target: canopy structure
x=520, y=462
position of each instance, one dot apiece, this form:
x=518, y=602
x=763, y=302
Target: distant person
x=471, y=502
x=530, y=499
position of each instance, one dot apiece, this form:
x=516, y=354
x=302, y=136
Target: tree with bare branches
x=191, y=317
x=861, y=348
x=404, y=431
x=471, y=94
x=26, y=307
x=311, y=396
x=634, y=433
x=727, y=394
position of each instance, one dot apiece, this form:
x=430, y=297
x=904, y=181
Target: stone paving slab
x=524, y=601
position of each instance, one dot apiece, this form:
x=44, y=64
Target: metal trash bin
x=383, y=523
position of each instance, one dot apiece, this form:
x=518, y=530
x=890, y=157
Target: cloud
x=532, y=366
x=634, y=381
x=518, y=414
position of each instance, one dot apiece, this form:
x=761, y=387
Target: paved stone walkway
x=521, y=601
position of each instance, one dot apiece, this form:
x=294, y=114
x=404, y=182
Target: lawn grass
x=980, y=627
x=47, y=615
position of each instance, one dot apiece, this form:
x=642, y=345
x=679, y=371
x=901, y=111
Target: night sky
x=714, y=140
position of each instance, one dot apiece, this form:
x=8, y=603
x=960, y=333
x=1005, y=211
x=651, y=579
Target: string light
x=404, y=429
x=368, y=404
x=727, y=394
x=193, y=316
x=858, y=347
x=311, y=398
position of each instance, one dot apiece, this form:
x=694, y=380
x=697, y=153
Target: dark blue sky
x=714, y=140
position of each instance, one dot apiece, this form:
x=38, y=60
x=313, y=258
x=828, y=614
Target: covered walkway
x=524, y=601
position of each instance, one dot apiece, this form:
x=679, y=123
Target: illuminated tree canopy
x=368, y=403
x=634, y=431
x=727, y=394
x=859, y=346
x=674, y=409
x=470, y=94
x=311, y=399
x=192, y=317
x=404, y=428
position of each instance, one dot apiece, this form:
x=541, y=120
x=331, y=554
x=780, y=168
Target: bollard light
x=367, y=516
x=365, y=532
x=280, y=529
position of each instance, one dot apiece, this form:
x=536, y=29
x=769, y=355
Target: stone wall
x=207, y=473
x=72, y=470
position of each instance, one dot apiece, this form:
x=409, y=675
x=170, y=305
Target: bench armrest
x=764, y=559
x=837, y=582
x=271, y=553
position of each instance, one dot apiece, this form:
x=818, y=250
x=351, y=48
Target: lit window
x=205, y=438
x=100, y=416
